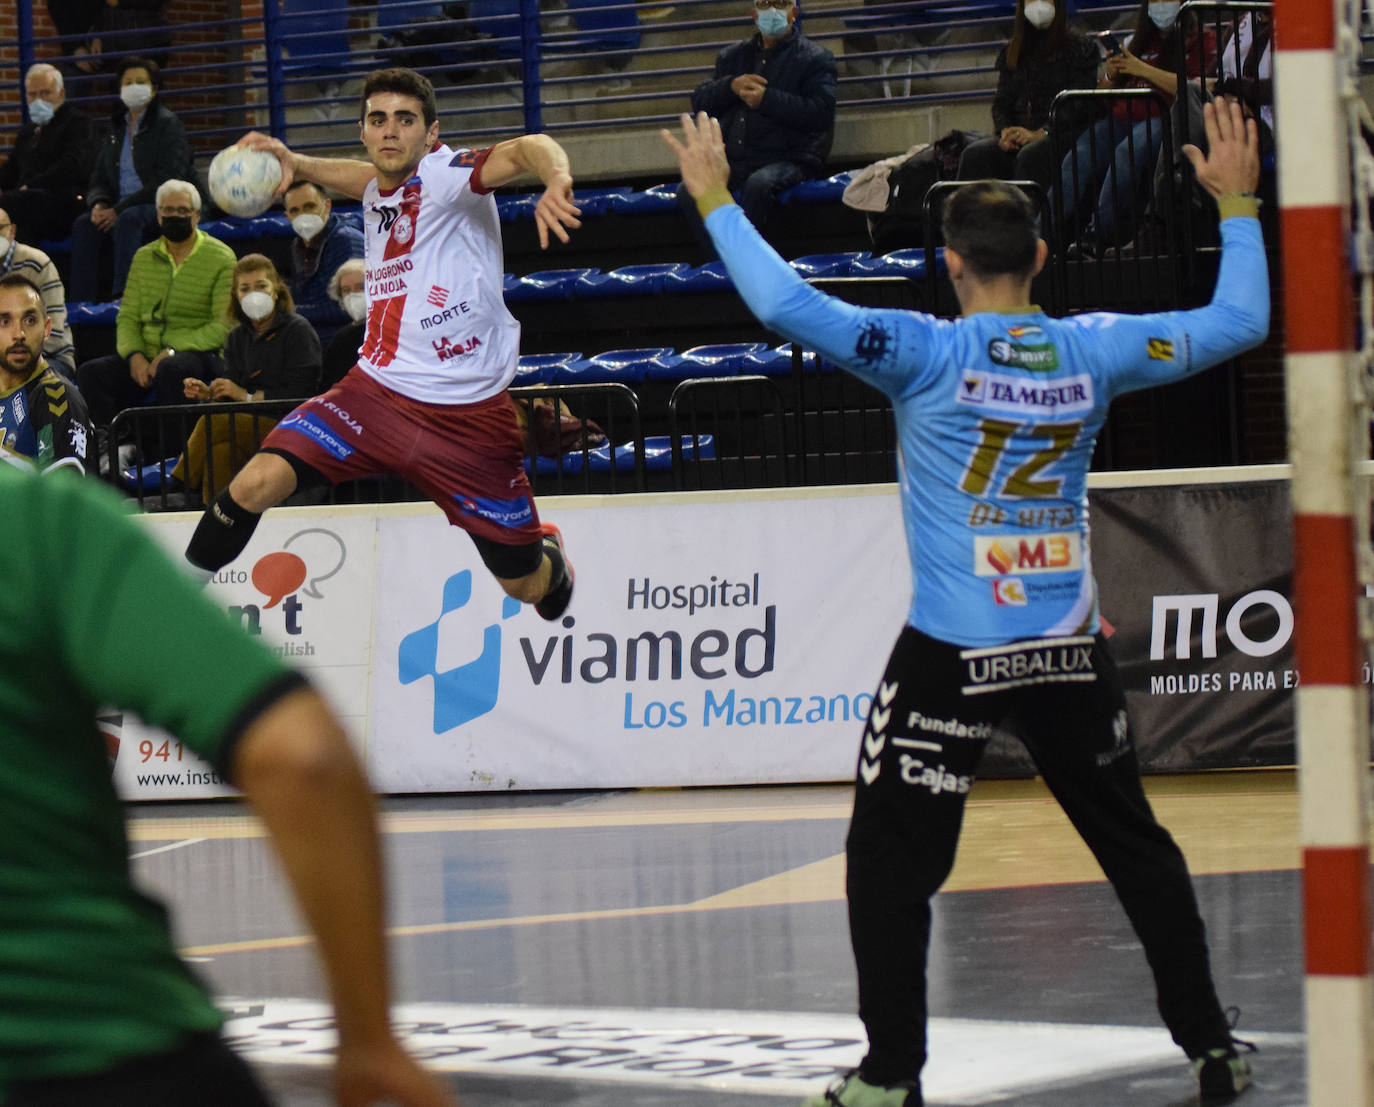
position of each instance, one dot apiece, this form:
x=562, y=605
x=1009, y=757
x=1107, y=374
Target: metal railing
x=504, y=67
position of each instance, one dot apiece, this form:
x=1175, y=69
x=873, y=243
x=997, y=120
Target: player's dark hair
x=406, y=82
x=302, y=182
x=133, y=61
x=991, y=225
x=18, y=280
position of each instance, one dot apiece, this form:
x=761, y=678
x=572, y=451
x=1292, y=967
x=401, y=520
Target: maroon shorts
x=466, y=457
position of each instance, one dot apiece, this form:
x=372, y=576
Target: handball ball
x=242, y=181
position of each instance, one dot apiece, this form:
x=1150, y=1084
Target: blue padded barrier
x=542, y=368
x=622, y=366
x=658, y=198
x=629, y=280
x=548, y=284
x=710, y=277
x=824, y=190
x=910, y=263
x=829, y=265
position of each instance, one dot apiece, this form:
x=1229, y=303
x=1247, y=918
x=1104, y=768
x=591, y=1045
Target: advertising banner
x=714, y=640
x=306, y=584
x=719, y=638
x=1196, y=581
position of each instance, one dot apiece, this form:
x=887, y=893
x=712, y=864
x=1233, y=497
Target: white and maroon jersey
x=437, y=326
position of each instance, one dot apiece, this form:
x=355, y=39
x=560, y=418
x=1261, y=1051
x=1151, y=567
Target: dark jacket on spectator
x=283, y=362
x=161, y=153
x=341, y=354
x=795, y=121
x=312, y=266
x=56, y=157
x=1024, y=94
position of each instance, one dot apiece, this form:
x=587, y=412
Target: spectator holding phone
x=1114, y=159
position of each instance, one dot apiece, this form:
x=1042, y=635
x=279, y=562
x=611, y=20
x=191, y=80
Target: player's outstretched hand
x=256, y=140
x=386, y=1074
x=1231, y=164
x=556, y=210
x=700, y=154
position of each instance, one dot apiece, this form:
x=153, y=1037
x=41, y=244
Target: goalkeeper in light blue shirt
x=997, y=413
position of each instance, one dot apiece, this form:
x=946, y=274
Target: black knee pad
x=509, y=562
x=221, y=534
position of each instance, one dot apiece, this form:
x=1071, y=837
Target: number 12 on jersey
x=994, y=437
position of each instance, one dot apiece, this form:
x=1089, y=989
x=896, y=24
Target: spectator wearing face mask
x=173, y=318
x=37, y=268
x=1113, y=161
x=1043, y=57
x=273, y=354
x=323, y=242
x=774, y=94
x=45, y=174
x=146, y=146
x=346, y=290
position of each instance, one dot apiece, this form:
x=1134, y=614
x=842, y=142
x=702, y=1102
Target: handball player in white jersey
x=428, y=398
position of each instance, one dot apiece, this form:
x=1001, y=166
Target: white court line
x=164, y=849
x=973, y=1061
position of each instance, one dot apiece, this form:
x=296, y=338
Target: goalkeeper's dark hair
x=406, y=82
x=991, y=225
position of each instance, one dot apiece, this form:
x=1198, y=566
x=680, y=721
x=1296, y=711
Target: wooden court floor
x=690, y=946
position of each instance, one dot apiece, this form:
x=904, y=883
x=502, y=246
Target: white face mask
x=1039, y=13
x=257, y=305
x=136, y=97
x=355, y=303
x=41, y=112
x=1163, y=13
x=307, y=225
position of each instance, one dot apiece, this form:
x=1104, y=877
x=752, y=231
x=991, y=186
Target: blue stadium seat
x=228, y=229
x=511, y=208
x=823, y=191
x=658, y=450
x=829, y=265
x=543, y=368
x=909, y=263
x=630, y=280
x=598, y=201
x=777, y=362
x=658, y=198
x=81, y=313
x=710, y=277
x=548, y=284
x=622, y=366
x=722, y=359
x=152, y=477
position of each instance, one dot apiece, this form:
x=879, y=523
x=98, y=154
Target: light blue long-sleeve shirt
x=997, y=415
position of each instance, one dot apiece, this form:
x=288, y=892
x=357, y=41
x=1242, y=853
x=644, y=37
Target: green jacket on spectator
x=170, y=307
